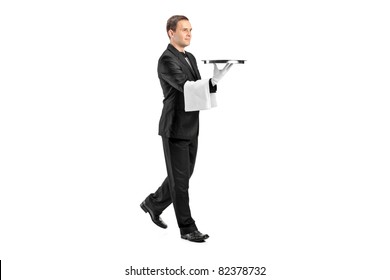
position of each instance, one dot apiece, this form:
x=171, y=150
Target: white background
x=293, y=165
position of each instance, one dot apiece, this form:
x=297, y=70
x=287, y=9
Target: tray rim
x=235, y=61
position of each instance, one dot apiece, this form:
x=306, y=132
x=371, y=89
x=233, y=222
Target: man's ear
x=170, y=32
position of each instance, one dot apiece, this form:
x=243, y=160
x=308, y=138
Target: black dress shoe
x=155, y=218
x=195, y=236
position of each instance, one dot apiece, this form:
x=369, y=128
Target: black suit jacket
x=174, y=71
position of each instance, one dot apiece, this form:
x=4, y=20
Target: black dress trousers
x=180, y=156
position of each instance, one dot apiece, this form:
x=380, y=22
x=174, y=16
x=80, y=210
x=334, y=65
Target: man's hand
x=218, y=74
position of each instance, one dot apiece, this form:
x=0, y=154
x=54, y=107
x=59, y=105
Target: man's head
x=179, y=31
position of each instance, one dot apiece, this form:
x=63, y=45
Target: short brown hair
x=172, y=22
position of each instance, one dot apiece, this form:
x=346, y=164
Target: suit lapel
x=189, y=71
x=195, y=70
x=184, y=61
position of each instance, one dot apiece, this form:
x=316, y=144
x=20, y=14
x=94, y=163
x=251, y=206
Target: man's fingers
x=227, y=66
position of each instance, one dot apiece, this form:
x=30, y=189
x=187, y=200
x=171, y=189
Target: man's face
x=182, y=36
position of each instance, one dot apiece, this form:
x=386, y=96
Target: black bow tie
x=184, y=54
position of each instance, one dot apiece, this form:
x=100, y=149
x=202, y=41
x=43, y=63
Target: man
x=179, y=129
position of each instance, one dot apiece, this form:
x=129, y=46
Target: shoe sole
x=143, y=207
x=196, y=240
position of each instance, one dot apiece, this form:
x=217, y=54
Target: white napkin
x=197, y=96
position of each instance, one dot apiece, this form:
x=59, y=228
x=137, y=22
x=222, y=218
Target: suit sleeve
x=213, y=89
x=171, y=72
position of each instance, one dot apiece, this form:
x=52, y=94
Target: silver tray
x=235, y=61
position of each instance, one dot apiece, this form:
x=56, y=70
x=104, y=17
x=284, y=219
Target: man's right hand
x=218, y=74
